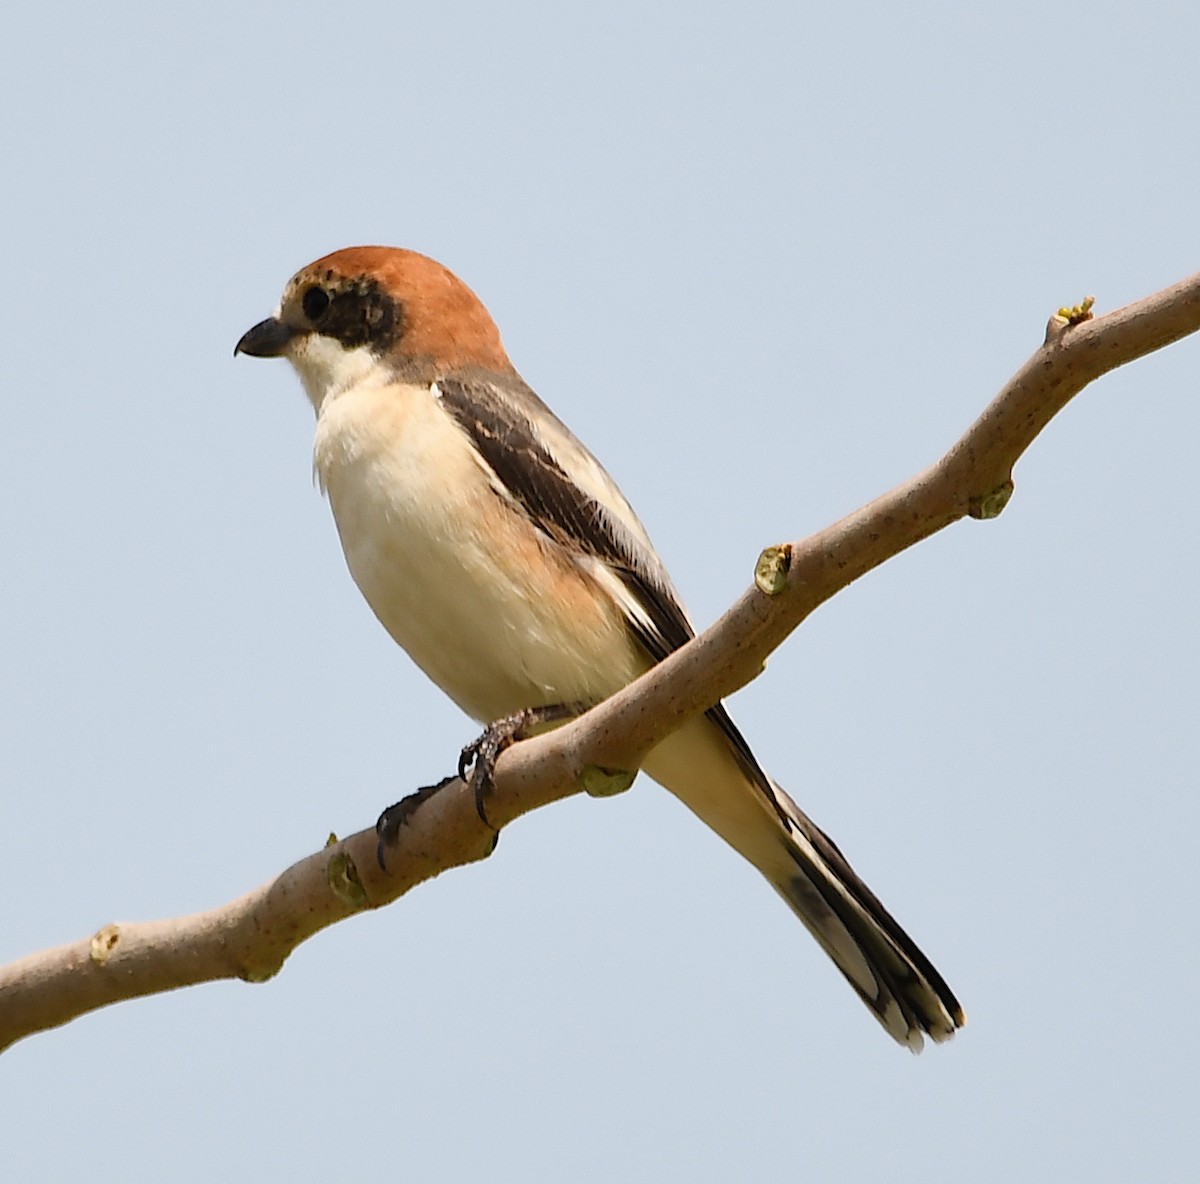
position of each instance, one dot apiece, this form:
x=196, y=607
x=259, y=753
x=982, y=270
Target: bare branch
x=250, y=938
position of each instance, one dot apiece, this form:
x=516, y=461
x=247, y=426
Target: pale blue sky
x=767, y=260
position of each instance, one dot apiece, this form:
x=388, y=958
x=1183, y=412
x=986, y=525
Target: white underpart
x=458, y=577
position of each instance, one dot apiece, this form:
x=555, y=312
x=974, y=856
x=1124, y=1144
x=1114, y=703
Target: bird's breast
x=496, y=613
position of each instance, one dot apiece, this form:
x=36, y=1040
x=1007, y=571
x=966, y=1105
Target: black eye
x=315, y=302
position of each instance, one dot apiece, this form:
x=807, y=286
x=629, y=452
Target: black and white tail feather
x=878, y=959
x=734, y=797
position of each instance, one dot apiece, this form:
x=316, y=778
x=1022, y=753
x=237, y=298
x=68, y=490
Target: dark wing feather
x=503, y=432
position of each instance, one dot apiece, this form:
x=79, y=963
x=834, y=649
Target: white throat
x=327, y=368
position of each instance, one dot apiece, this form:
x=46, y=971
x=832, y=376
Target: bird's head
x=366, y=314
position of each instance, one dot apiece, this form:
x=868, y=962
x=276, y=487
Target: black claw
x=483, y=785
x=466, y=758
x=394, y=817
x=480, y=755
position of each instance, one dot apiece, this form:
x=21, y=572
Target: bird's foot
x=394, y=817
x=481, y=754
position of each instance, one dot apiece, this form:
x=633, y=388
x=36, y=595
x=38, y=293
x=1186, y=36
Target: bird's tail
x=709, y=767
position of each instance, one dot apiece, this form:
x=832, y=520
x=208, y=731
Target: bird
x=498, y=552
